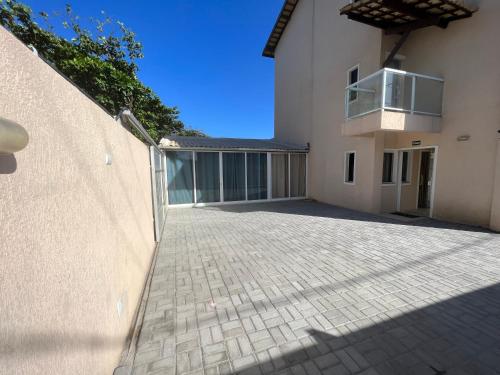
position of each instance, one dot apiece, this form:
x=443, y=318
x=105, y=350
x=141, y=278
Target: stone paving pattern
x=307, y=288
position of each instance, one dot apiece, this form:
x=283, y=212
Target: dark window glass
x=233, y=176
x=207, y=177
x=388, y=167
x=349, y=170
x=353, y=78
x=404, y=167
x=257, y=176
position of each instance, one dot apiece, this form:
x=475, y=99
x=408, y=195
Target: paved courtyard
x=306, y=288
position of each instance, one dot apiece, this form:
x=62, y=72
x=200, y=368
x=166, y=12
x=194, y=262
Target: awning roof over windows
x=221, y=144
x=400, y=16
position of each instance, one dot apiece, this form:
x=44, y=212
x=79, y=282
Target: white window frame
x=394, y=167
x=353, y=182
x=351, y=83
x=410, y=167
x=434, y=176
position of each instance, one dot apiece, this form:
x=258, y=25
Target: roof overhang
x=233, y=149
x=229, y=144
x=401, y=16
x=279, y=27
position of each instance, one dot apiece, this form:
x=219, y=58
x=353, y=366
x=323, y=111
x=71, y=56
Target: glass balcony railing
x=394, y=90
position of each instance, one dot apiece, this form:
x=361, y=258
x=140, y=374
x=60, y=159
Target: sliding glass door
x=297, y=175
x=257, y=176
x=180, y=177
x=207, y=177
x=279, y=169
x=245, y=176
x=233, y=176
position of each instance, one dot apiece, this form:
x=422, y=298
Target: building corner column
x=378, y=160
x=495, y=199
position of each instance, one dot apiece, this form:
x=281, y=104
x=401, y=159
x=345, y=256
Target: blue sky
x=202, y=56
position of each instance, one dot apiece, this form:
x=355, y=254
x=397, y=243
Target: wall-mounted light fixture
x=13, y=137
x=463, y=138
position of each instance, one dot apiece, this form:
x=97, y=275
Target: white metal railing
x=394, y=90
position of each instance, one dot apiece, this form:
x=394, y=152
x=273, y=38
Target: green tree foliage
x=102, y=63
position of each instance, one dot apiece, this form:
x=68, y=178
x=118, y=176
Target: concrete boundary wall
x=76, y=233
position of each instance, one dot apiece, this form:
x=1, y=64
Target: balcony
x=393, y=100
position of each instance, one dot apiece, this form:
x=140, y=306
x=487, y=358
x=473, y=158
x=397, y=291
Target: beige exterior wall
x=463, y=54
x=293, y=75
x=323, y=101
x=76, y=234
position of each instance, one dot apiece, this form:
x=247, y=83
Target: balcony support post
x=384, y=88
x=413, y=84
x=346, y=102
x=396, y=48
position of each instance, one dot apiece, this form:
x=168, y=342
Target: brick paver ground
x=306, y=288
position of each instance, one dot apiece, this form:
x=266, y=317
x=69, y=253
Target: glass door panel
x=279, y=164
x=180, y=177
x=257, y=176
x=297, y=175
x=233, y=176
x=207, y=177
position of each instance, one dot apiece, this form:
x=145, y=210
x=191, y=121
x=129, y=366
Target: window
x=257, y=176
x=279, y=170
x=353, y=77
x=297, y=175
x=388, y=168
x=233, y=169
x=180, y=177
x=207, y=177
x=406, y=167
x=350, y=161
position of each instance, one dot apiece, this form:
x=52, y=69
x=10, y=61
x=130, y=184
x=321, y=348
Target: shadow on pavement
x=457, y=336
x=316, y=209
